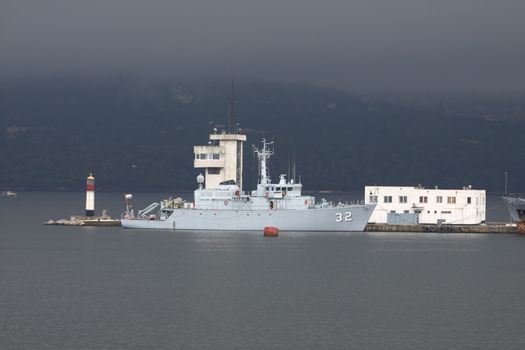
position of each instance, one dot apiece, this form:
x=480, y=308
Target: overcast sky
x=353, y=44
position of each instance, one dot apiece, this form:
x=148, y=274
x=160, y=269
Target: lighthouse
x=90, y=196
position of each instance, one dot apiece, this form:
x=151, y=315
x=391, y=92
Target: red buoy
x=270, y=231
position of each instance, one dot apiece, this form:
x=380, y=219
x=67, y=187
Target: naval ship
x=221, y=204
x=516, y=207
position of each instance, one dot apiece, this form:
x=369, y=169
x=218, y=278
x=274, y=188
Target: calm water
x=109, y=288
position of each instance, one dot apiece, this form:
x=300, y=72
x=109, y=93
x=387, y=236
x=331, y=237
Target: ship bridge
x=221, y=159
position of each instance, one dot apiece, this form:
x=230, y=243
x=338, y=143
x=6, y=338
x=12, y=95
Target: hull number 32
x=339, y=217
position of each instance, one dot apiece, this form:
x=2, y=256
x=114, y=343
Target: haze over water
x=109, y=288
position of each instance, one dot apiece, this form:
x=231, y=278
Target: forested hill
x=138, y=135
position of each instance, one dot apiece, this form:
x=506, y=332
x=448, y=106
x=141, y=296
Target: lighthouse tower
x=90, y=196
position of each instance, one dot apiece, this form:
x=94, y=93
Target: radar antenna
x=263, y=155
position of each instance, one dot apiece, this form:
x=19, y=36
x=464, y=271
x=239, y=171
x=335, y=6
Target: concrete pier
x=85, y=221
x=486, y=228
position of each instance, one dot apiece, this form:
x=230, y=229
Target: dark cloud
x=363, y=44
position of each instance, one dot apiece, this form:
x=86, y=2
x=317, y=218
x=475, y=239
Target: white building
x=221, y=159
x=427, y=206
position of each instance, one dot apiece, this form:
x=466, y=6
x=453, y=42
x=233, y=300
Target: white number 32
x=346, y=216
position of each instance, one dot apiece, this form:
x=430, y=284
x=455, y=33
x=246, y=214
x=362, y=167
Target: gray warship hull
x=516, y=207
x=334, y=219
x=220, y=204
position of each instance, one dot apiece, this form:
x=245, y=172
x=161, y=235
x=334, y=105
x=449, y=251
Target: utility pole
x=506, y=176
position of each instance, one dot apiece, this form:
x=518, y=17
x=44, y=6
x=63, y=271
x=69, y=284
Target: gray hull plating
x=516, y=207
x=336, y=219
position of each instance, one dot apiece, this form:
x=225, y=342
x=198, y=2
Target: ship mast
x=264, y=154
x=231, y=111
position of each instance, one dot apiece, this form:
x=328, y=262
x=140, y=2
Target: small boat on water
x=8, y=194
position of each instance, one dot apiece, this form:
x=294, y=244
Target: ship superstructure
x=228, y=194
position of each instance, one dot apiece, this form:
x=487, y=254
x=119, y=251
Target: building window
x=214, y=171
x=469, y=200
x=202, y=156
x=423, y=199
x=373, y=199
x=387, y=199
x=406, y=211
x=392, y=211
x=439, y=199
x=215, y=156
x=451, y=200
x=445, y=212
x=403, y=199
